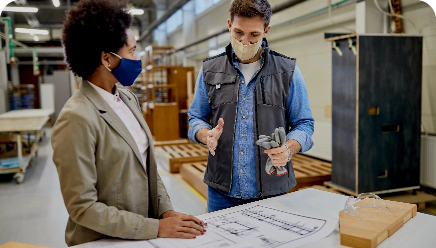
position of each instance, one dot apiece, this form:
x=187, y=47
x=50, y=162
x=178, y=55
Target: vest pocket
x=273, y=89
x=221, y=88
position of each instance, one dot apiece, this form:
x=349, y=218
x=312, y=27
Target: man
x=246, y=92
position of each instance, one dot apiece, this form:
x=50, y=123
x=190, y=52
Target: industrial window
x=202, y=5
x=174, y=21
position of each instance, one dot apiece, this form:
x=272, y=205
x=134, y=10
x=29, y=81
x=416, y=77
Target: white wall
x=304, y=40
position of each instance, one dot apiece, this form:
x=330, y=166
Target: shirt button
x=243, y=98
x=242, y=153
x=242, y=81
x=235, y=66
x=243, y=116
x=241, y=170
x=243, y=135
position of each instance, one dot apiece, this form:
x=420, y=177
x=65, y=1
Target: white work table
x=420, y=231
x=14, y=124
x=27, y=113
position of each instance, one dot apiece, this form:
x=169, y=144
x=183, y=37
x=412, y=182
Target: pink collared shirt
x=128, y=119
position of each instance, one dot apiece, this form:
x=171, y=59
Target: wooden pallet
x=173, y=142
x=310, y=171
x=193, y=174
x=172, y=156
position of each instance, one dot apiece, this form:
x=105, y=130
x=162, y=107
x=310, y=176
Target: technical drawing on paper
x=211, y=239
x=264, y=226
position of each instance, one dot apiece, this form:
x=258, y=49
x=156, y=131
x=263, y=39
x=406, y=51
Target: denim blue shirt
x=244, y=183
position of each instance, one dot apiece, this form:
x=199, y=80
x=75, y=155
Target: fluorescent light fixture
x=21, y=9
x=35, y=38
x=136, y=12
x=31, y=31
x=56, y=3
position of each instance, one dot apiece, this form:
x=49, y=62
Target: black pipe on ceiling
x=171, y=10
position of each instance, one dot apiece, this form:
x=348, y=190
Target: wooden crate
x=193, y=173
x=310, y=171
x=172, y=156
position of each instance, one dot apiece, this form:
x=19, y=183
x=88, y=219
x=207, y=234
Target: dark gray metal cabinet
x=376, y=112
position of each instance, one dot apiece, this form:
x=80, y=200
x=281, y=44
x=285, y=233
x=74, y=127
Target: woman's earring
x=107, y=67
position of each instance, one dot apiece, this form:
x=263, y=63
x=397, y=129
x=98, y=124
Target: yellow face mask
x=245, y=52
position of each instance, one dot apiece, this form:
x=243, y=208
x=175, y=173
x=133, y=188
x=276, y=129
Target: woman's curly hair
x=94, y=26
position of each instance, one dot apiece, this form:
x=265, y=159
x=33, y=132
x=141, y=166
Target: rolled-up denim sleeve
x=199, y=112
x=300, y=115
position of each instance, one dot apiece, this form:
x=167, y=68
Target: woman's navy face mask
x=127, y=71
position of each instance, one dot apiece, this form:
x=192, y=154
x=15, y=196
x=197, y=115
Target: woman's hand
x=178, y=225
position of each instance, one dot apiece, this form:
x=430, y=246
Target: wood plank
x=193, y=173
x=341, y=37
x=370, y=233
x=172, y=142
x=20, y=245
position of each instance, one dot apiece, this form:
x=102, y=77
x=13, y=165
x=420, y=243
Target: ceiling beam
x=171, y=10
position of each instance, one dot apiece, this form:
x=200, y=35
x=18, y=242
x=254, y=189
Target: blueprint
x=242, y=227
x=269, y=227
x=210, y=239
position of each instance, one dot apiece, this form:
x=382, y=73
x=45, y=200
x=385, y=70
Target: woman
x=103, y=149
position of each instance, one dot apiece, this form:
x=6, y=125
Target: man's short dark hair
x=91, y=28
x=250, y=9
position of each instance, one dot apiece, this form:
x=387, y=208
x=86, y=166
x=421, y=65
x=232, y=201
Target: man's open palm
x=214, y=135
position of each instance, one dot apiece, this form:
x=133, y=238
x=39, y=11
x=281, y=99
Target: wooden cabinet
x=164, y=93
x=376, y=112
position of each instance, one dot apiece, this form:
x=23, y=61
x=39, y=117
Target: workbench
x=17, y=123
x=417, y=232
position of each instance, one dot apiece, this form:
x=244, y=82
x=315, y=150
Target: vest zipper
x=234, y=128
x=257, y=132
x=257, y=120
x=262, y=89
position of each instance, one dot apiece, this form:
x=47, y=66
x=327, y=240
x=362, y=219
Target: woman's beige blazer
x=105, y=188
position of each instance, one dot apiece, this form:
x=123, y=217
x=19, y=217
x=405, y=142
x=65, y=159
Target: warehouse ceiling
x=51, y=17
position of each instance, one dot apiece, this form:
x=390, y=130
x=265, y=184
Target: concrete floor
x=34, y=213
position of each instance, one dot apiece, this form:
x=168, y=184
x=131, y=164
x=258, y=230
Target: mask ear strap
x=107, y=67
x=116, y=55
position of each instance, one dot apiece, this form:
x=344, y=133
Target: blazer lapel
x=151, y=162
x=109, y=115
x=131, y=103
